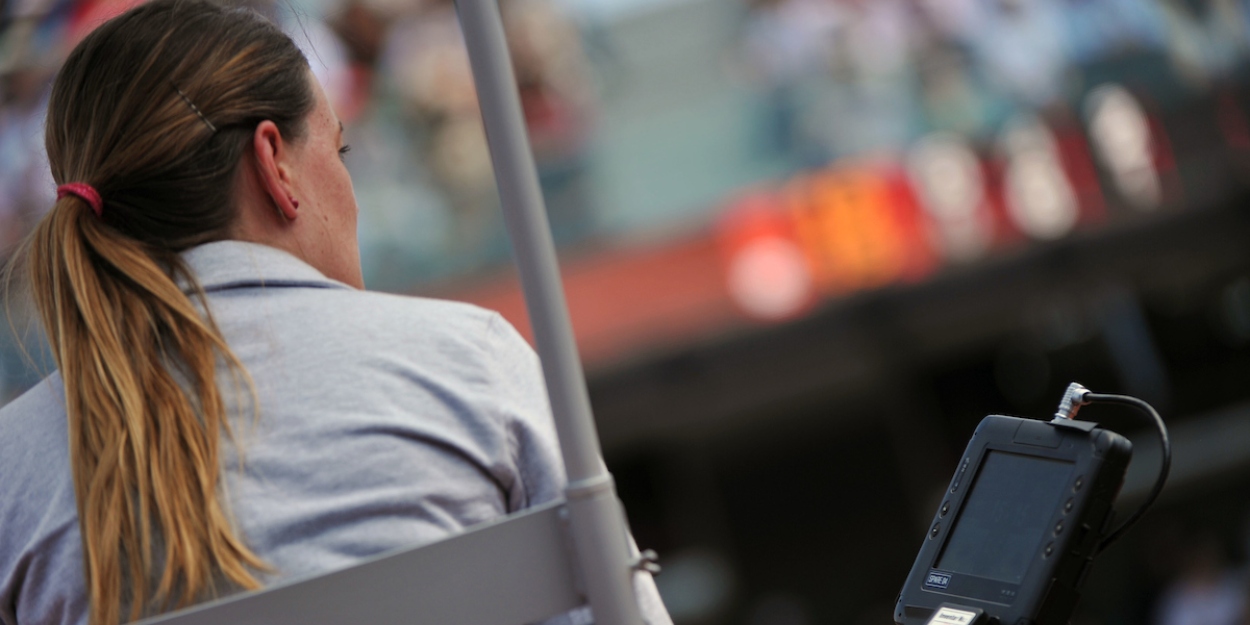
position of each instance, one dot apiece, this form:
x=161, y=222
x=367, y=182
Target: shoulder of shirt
x=224, y=266
x=471, y=335
x=404, y=322
x=239, y=267
x=41, y=402
x=33, y=426
x=415, y=312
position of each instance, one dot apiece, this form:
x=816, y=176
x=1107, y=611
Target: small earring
x=294, y=202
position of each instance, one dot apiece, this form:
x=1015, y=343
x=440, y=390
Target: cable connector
x=1073, y=398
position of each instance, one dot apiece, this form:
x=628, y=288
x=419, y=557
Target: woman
x=237, y=411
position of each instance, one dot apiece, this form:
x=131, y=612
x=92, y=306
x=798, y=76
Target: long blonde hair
x=154, y=109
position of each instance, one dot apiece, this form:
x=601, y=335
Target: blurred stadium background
x=808, y=244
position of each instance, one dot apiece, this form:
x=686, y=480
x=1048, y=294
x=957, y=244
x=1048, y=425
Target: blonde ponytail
x=145, y=449
x=155, y=110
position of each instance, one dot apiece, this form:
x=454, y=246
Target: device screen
x=1007, y=512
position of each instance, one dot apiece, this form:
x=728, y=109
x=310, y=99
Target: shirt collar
x=237, y=264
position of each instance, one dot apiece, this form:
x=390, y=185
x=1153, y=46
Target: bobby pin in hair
x=195, y=108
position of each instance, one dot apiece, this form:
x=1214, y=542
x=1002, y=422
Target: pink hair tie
x=84, y=191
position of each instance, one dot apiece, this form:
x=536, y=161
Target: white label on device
x=951, y=616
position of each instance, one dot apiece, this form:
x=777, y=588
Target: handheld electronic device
x=1028, y=509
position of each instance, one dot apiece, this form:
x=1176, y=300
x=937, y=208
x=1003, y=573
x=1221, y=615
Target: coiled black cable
x=1165, y=445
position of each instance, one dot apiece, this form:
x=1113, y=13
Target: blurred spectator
x=362, y=27
x=1021, y=45
x=953, y=96
x=557, y=101
x=786, y=44
x=32, y=41
x=874, y=99
x=838, y=75
x=26, y=186
x=1206, y=38
x=1206, y=590
x=956, y=20
x=1097, y=29
x=425, y=57
x=427, y=60
x=949, y=92
x=405, y=224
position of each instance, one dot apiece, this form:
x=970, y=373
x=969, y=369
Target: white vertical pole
x=596, y=519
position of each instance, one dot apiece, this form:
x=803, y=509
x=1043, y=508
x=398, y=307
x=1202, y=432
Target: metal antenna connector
x=1073, y=398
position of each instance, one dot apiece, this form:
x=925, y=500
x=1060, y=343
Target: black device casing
x=1050, y=586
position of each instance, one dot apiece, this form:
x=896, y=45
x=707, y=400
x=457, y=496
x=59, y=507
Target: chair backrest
x=509, y=572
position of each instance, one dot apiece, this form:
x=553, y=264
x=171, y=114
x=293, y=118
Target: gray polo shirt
x=384, y=422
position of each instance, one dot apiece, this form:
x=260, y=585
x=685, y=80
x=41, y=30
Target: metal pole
x=596, y=520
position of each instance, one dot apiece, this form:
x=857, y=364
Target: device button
x=1080, y=481
x=1058, y=528
x=963, y=468
x=1067, y=507
x=946, y=507
x=1050, y=550
x=937, y=527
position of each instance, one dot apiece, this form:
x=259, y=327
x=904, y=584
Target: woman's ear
x=272, y=155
